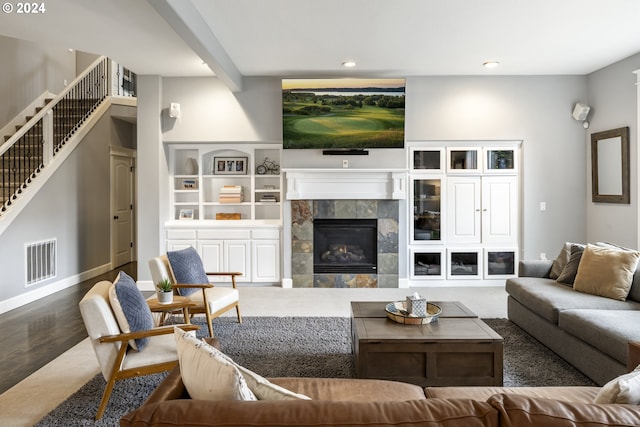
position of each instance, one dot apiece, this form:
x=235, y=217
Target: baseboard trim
x=52, y=288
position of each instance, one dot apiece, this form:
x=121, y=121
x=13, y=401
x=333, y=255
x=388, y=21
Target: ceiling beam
x=187, y=22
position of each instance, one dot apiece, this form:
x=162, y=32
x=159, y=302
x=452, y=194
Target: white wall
x=612, y=97
x=27, y=70
x=536, y=110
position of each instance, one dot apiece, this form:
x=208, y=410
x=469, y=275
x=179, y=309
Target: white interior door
x=122, y=205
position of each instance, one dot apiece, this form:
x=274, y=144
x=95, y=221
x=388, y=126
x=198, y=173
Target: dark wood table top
x=376, y=309
x=444, y=329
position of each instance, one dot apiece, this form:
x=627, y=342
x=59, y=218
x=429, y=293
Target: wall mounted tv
x=343, y=113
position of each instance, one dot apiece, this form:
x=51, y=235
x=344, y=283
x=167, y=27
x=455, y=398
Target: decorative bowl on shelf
x=397, y=311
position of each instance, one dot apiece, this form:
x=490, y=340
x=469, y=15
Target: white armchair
x=212, y=300
x=116, y=358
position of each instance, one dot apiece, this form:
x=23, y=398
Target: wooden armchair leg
x=209, y=323
x=105, y=397
x=238, y=311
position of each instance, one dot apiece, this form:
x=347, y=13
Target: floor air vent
x=41, y=261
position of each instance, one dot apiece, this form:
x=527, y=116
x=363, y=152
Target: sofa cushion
x=570, y=270
x=516, y=410
x=609, y=331
x=547, y=298
x=606, y=272
x=205, y=374
x=130, y=308
x=187, y=268
x=351, y=389
x=569, y=394
x=623, y=389
x=299, y=413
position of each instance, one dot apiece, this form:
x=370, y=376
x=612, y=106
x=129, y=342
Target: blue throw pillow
x=130, y=308
x=188, y=269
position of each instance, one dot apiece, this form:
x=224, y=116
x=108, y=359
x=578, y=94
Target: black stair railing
x=29, y=150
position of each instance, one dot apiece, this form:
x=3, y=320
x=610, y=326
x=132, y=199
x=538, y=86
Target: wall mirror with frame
x=610, y=166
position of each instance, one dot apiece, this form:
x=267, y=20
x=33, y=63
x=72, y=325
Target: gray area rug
x=304, y=347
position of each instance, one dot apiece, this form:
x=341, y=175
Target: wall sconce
x=580, y=113
x=174, y=110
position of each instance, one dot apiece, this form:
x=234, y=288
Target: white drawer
x=224, y=234
x=181, y=234
x=265, y=233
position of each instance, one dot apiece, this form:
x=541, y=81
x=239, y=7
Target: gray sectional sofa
x=589, y=331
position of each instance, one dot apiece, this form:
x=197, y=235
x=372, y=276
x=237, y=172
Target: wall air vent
x=40, y=261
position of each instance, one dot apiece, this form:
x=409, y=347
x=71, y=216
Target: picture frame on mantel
x=610, y=166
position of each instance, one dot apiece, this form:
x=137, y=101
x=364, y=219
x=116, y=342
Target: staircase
x=25, y=153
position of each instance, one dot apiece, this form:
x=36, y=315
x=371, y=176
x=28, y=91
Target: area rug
x=304, y=347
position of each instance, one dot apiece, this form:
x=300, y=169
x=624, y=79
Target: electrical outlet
x=543, y=206
x=345, y=163
x=543, y=256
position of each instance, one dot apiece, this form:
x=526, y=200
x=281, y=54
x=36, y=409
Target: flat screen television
x=343, y=113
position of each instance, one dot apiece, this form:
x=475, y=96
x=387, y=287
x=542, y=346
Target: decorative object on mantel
x=397, y=311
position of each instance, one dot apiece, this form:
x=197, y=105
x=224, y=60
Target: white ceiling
x=310, y=38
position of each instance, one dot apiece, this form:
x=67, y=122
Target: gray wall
x=73, y=207
x=536, y=110
x=27, y=70
x=612, y=96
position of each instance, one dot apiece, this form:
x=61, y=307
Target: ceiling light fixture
x=491, y=64
x=349, y=64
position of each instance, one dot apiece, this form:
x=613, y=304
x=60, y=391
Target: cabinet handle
x=116, y=217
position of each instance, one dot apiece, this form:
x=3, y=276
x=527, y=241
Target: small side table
x=179, y=303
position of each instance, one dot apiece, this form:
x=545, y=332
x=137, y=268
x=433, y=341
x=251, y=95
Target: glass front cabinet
x=464, y=218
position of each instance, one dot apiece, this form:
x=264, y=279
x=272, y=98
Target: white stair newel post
x=47, y=137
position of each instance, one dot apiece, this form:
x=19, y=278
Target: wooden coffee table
x=457, y=350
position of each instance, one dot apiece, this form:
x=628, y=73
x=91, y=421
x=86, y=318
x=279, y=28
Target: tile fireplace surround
x=303, y=212
x=344, y=194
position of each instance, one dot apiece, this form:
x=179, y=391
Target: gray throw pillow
x=131, y=309
x=187, y=268
x=570, y=270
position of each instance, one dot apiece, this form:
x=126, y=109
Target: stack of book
x=268, y=198
x=231, y=194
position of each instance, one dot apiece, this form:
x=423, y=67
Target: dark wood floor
x=37, y=333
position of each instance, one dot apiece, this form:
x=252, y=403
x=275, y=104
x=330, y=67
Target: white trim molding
x=319, y=184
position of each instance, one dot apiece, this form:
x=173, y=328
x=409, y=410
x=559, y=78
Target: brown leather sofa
x=360, y=402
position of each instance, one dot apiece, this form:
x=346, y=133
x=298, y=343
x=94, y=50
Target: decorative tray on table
x=397, y=311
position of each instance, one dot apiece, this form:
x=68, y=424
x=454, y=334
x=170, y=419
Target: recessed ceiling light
x=349, y=64
x=491, y=64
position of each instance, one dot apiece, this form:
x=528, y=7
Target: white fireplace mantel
x=319, y=184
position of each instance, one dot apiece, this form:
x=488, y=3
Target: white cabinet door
x=176, y=245
x=237, y=257
x=211, y=252
x=499, y=209
x=463, y=210
x=266, y=260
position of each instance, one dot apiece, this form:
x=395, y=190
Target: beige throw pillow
x=606, y=272
x=259, y=387
x=623, y=389
x=205, y=374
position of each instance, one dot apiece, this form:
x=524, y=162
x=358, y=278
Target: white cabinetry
x=465, y=219
x=482, y=209
x=230, y=233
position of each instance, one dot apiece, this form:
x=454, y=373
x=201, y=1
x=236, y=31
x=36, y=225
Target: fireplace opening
x=345, y=245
